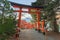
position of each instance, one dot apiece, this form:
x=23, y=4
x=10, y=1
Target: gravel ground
x=31, y=34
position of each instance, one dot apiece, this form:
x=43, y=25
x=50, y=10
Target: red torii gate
x=15, y=5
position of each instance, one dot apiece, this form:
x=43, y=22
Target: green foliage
x=38, y=3
x=43, y=16
x=48, y=5
x=8, y=28
x=49, y=10
x=34, y=16
x=7, y=21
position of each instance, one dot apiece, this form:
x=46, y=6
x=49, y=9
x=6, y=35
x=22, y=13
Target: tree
x=49, y=8
x=38, y=3
x=34, y=17
x=7, y=20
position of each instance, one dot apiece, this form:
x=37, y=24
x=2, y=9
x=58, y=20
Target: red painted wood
x=29, y=11
x=19, y=20
x=28, y=25
x=25, y=11
x=15, y=6
x=38, y=20
x=43, y=23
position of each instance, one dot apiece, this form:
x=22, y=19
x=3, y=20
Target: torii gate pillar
x=38, y=20
x=19, y=19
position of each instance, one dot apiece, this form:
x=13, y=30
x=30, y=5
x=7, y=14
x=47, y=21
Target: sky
x=27, y=2
x=25, y=16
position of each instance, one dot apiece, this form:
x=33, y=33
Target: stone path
x=30, y=34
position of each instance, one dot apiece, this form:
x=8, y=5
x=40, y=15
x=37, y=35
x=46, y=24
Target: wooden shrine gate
x=30, y=8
